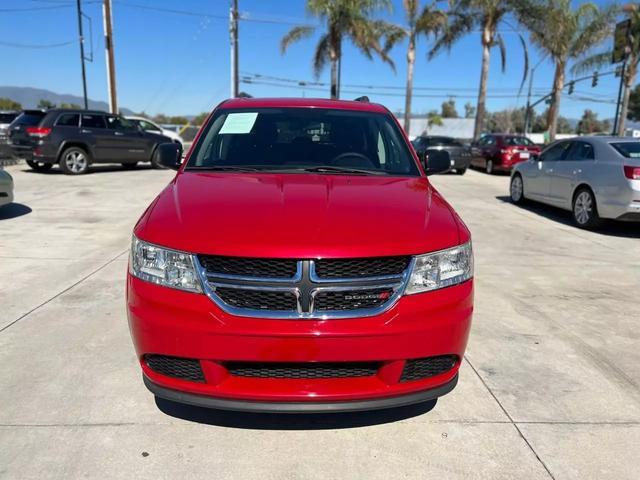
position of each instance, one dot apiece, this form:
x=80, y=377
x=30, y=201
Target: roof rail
x=363, y=98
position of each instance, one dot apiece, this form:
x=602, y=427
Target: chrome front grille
x=294, y=289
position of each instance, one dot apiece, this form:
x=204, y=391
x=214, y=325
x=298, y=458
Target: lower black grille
x=421, y=368
x=249, y=267
x=361, y=267
x=257, y=299
x=182, y=368
x=351, y=299
x=303, y=370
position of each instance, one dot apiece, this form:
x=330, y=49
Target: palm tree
x=486, y=15
x=631, y=12
x=342, y=19
x=426, y=22
x=564, y=34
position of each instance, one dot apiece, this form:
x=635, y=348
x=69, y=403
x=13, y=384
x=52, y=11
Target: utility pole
x=233, y=34
x=111, y=65
x=527, y=113
x=84, y=75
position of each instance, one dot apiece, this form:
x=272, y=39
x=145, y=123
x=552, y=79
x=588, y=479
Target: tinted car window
x=517, y=141
x=68, y=120
x=556, y=152
x=148, y=126
x=581, y=151
x=297, y=138
x=119, y=123
x=444, y=142
x=93, y=121
x=7, y=117
x=28, y=118
x=628, y=149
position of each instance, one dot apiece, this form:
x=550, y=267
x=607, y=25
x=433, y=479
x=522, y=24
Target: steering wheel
x=357, y=155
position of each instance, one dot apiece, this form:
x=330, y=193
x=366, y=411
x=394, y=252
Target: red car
x=300, y=261
x=500, y=152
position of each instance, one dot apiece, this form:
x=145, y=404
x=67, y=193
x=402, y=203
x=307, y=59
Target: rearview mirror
x=169, y=155
x=436, y=161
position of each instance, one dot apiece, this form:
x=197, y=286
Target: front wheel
x=39, y=166
x=461, y=171
x=516, y=189
x=585, y=210
x=74, y=161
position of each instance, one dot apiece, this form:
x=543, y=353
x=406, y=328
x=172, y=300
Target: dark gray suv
x=75, y=139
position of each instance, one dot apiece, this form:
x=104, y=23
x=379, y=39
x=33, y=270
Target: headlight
x=441, y=269
x=165, y=267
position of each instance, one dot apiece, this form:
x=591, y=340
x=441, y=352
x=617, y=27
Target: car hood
x=299, y=215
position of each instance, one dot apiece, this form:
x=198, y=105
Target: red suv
x=300, y=261
x=500, y=152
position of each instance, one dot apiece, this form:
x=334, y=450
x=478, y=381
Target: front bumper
x=174, y=323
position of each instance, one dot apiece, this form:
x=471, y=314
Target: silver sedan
x=6, y=188
x=593, y=177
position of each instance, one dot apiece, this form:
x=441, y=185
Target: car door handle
x=119, y=134
x=84, y=130
x=549, y=170
x=579, y=170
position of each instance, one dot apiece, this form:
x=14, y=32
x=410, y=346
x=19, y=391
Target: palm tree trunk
x=554, y=108
x=630, y=80
x=482, y=92
x=334, y=76
x=411, y=59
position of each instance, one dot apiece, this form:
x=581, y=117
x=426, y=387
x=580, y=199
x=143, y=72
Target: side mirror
x=169, y=155
x=437, y=161
x=536, y=157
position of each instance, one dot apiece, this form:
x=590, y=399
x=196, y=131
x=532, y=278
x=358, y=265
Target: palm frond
x=591, y=63
x=452, y=32
x=525, y=69
x=294, y=35
x=321, y=55
x=499, y=41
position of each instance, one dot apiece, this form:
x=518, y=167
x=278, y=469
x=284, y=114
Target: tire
x=461, y=171
x=74, y=161
x=516, y=189
x=129, y=165
x=154, y=161
x=489, y=167
x=39, y=166
x=585, y=210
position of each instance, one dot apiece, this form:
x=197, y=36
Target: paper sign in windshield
x=239, y=122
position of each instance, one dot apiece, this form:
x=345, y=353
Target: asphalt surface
x=550, y=386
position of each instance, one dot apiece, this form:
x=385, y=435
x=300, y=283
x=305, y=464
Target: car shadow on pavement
x=93, y=169
x=14, y=210
x=609, y=228
x=291, y=421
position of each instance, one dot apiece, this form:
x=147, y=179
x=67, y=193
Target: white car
x=6, y=188
x=152, y=127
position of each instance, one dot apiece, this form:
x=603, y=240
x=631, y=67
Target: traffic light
x=594, y=80
x=570, y=88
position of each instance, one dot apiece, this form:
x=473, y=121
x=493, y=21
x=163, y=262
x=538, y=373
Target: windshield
x=303, y=139
x=517, y=141
x=628, y=149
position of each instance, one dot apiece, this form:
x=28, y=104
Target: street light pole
x=527, y=113
x=233, y=33
x=111, y=65
x=84, y=75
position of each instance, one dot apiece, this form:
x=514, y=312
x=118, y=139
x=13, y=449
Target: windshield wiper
x=347, y=170
x=225, y=168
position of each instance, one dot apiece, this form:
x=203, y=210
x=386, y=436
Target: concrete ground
x=550, y=387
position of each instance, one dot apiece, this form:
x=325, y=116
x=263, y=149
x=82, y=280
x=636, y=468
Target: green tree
x=72, y=106
x=564, y=34
x=467, y=16
x=469, y=110
x=449, y=109
x=8, y=104
x=589, y=123
x=342, y=19
x=200, y=118
x=631, y=11
x=634, y=104
x=46, y=104
x=426, y=22
x=434, y=118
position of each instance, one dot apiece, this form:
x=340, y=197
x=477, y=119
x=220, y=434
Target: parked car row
x=75, y=139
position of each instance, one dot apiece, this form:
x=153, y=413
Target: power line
x=40, y=8
x=36, y=46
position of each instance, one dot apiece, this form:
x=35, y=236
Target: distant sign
x=621, y=41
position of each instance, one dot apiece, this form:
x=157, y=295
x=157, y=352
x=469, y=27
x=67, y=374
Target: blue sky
x=179, y=64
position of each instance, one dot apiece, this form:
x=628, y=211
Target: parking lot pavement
x=550, y=387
